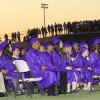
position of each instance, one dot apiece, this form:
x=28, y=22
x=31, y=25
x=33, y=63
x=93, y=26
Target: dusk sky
x=23, y=14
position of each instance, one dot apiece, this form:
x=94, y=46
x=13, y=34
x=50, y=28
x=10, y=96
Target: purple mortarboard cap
x=22, y=48
x=35, y=36
x=14, y=46
x=3, y=44
x=81, y=50
x=96, y=41
x=48, y=44
x=82, y=44
x=42, y=44
x=66, y=44
x=33, y=40
x=56, y=39
x=73, y=43
x=29, y=47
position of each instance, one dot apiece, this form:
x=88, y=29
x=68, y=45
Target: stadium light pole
x=44, y=6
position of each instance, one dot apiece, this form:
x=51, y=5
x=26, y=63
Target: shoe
x=74, y=91
x=18, y=93
x=85, y=89
x=68, y=92
x=78, y=89
x=2, y=94
x=52, y=94
x=62, y=92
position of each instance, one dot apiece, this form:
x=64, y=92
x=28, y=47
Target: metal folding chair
x=22, y=67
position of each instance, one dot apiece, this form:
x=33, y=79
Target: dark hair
x=6, y=52
x=58, y=49
x=95, y=47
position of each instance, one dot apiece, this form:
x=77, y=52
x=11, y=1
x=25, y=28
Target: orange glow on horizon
x=19, y=15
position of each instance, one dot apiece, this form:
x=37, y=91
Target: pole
x=44, y=17
x=44, y=6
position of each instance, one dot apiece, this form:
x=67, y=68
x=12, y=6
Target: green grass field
x=83, y=95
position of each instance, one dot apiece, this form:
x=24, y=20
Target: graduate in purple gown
x=83, y=44
x=49, y=48
x=38, y=67
x=95, y=56
x=46, y=58
x=60, y=63
x=75, y=48
x=68, y=66
x=16, y=52
x=81, y=64
x=6, y=65
x=54, y=57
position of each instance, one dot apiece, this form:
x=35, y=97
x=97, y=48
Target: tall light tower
x=44, y=6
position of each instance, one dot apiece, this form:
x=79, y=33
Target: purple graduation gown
x=35, y=61
x=70, y=73
x=60, y=65
x=56, y=60
x=95, y=62
x=7, y=64
x=74, y=54
x=47, y=62
x=85, y=75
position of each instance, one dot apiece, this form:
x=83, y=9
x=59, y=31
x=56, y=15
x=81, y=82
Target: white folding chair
x=22, y=67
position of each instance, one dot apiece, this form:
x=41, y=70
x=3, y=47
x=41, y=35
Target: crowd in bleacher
x=76, y=27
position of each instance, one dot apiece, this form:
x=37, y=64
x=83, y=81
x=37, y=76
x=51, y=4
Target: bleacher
x=66, y=37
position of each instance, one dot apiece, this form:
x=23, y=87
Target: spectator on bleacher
x=56, y=28
x=72, y=27
x=43, y=33
x=39, y=32
x=68, y=27
x=24, y=39
x=65, y=28
x=60, y=29
x=6, y=37
x=52, y=30
x=28, y=32
x=18, y=36
x=49, y=29
x=27, y=37
x=14, y=36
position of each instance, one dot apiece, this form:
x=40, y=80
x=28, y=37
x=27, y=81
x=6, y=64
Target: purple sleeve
x=32, y=62
x=94, y=62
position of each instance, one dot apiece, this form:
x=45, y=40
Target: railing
x=22, y=34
